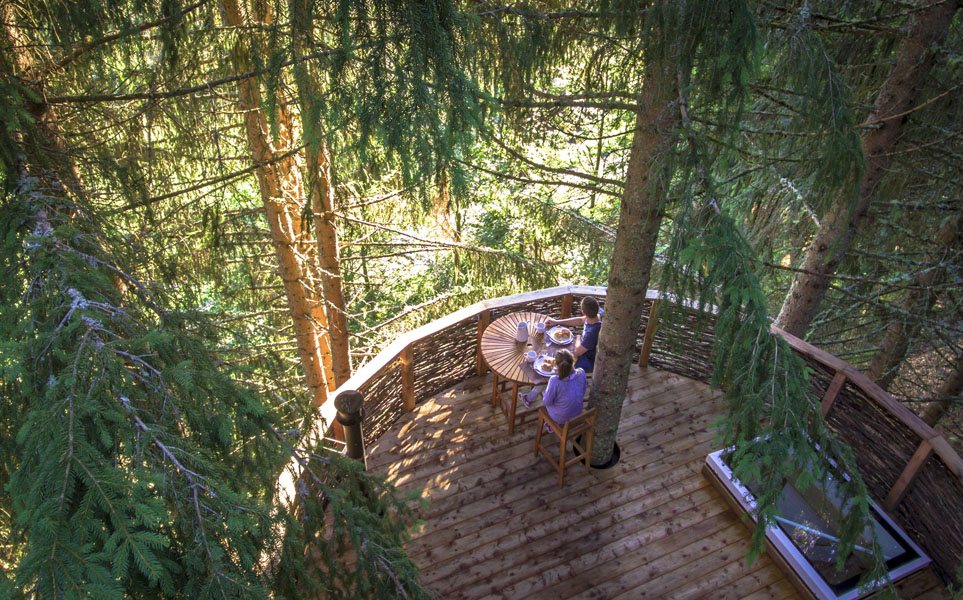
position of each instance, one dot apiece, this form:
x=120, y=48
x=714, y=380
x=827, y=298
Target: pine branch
x=453, y=245
x=216, y=83
x=404, y=313
x=556, y=170
x=880, y=120
x=394, y=254
x=210, y=182
x=889, y=286
x=581, y=186
x=88, y=46
x=565, y=103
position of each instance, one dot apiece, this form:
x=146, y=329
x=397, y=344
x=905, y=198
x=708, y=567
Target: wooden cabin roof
x=650, y=527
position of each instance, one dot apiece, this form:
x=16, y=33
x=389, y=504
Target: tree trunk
x=280, y=186
x=43, y=143
x=321, y=192
x=952, y=386
x=918, y=300
x=640, y=216
x=838, y=227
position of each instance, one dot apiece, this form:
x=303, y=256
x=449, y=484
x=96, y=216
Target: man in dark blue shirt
x=585, y=344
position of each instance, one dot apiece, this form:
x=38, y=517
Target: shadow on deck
x=651, y=527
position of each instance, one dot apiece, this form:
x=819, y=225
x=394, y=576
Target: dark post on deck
x=349, y=403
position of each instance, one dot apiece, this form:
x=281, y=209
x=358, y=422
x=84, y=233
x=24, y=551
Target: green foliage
x=773, y=422
x=396, y=80
x=398, y=91
x=139, y=466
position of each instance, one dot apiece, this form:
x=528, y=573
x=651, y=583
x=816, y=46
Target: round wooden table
x=506, y=358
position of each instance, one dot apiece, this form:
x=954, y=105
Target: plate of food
x=560, y=335
x=544, y=365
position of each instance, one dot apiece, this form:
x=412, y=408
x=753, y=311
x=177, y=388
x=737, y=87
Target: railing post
x=484, y=319
x=832, y=391
x=408, y=379
x=908, y=476
x=567, y=300
x=349, y=404
x=649, y=334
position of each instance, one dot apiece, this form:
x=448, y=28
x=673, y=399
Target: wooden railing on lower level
x=909, y=468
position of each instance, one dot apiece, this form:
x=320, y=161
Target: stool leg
x=538, y=436
x=562, y=456
x=494, y=389
x=511, y=414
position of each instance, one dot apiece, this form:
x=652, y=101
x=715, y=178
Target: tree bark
x=918, y=300
x=640, y=216
x=321, y=192
x=952, y=386
x=838, y=227
x=42, y=144
x=280, y=186
x=321, y=186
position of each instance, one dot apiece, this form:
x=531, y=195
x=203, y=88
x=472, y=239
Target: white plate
x=539, y=366
x=551, y=336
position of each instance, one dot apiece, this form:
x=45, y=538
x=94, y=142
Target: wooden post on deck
x=484, y=319
x=408, y=379
x=832, y=391
x=908, y=476
x=349, y=404
x=567, y=305
x=649, y=334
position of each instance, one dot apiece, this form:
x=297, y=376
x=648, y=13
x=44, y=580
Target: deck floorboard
x=497, y=525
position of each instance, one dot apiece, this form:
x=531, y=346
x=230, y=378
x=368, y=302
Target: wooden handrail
x=650, y=326
x=408, y=378
x=401, y=350
x=484, y=320
x=889, y=404
x=393, y=351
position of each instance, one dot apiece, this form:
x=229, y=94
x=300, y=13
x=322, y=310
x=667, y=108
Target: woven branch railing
x=909, y=468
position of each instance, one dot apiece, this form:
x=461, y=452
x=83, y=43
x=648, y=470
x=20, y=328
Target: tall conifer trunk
x=919, y=299
x=838, y=227
x=321, y=190
x=952, y=386
x=640, y=216
x=281, y=186
x=321, y=193
x=43, y=145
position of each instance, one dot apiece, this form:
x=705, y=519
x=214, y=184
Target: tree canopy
x=215, y=210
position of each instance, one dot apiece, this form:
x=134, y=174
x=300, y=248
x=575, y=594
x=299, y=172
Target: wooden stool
x=582, y=424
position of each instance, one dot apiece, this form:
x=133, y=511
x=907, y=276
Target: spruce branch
x=207, y=86
x=112, y=37
x=556, y=170
x=557, y=183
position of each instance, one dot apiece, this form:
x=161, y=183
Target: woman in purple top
x=563, y=396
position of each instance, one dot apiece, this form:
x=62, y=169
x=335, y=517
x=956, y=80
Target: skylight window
x=807, y=536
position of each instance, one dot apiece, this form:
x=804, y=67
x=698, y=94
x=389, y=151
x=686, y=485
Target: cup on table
x=540, y=328
x=530, y=356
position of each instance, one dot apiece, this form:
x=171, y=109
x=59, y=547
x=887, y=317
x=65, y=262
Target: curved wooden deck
x=651, y=527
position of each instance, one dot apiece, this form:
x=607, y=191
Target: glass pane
x=811, y=519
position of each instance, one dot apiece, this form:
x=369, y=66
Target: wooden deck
x=650, y=527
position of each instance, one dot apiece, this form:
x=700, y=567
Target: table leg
x=511, y=415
